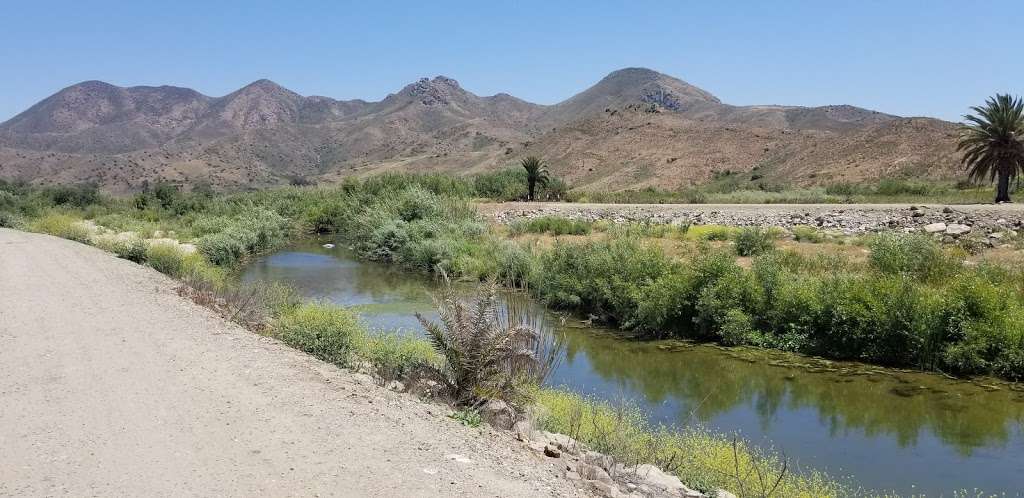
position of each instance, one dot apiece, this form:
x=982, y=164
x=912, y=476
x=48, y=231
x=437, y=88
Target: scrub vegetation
x=910, y=303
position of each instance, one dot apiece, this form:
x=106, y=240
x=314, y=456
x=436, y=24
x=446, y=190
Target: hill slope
x=634, y=128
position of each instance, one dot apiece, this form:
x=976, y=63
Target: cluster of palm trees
x=992, y=142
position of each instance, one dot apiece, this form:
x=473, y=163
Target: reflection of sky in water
x=889, y=430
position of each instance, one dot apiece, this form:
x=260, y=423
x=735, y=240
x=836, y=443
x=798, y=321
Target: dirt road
x=113, y=385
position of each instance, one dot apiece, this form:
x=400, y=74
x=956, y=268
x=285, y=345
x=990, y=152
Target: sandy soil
x=113, y=385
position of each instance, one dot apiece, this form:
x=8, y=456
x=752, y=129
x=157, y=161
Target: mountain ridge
x=634, y=128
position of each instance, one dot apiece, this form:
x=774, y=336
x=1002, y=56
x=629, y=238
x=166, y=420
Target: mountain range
x=635, y=128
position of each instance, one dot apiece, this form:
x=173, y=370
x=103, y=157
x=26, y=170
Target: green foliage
x=468, y=417
x=166, y=258
x=79, y=196
x=511, y=185
x=536, y=174
x=804, y=233
x=711, y=232
x=487, y=352
x=126, y=246
x=61, y=225
x=705, y=460
x=992, y=142
x=600, y=277
x=915, y=255
x=554, y=225
x=751, y=241
x=324, y=331
x=913, y=304
x=396, y=356
x=9, y=219
x=253, y=232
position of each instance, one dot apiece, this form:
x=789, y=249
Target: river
x=881, y=429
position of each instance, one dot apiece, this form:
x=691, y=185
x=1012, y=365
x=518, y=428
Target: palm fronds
x=536, y=174
x=491, y=348
x=992, y=142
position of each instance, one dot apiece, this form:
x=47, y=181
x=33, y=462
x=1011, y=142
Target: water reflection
x=890, y=429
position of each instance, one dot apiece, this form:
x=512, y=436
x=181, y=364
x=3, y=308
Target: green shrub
x=416, y=203
x=711, y=232
x=510, y=185
x=804, y=233
x=252, y=232
x=751, y=241
x=515, y=265
x=9, y=219
x=555, y=225
x=915, y=255
x=166, y=257
x=396, y=356
x=125, y=245
x=61, y=225
x=327, y=332
x=734, y=289
x=197, y=271
x=600, y=277
x=222, y=248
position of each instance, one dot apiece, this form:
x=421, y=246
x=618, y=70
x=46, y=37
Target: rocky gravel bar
x=848, y=219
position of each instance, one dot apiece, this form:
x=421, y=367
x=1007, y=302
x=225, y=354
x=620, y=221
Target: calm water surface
x=886, y=429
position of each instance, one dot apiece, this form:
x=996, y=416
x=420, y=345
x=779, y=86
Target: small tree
x=993, y=143
x=536, y=173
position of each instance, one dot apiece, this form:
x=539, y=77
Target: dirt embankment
x=113, y=385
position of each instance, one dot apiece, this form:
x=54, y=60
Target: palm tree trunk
x=532, y=185
x=1003, y=187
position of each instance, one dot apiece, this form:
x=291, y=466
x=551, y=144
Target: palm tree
x=536, y=173
x=993, y=143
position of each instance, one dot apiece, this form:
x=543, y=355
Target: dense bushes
x=510, y=185
x=914, y=255
x=553, y=225
x=327, y=332
x=250, y=233
x=127, y=246
x=61, y=225
x=751, y=241
x=900, y=314
x=913, y=303
x=599, y=277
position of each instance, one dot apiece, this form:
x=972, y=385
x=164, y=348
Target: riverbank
x=114, y=385
x=341, y=340
x=910, y=432
x=894, y=299
x=613, y=269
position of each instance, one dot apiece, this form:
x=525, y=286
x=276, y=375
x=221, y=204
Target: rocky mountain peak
x=441, y=90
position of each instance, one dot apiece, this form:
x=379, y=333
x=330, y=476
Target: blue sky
x=931, y=58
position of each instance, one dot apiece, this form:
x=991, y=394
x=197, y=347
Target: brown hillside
x=634, y=128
